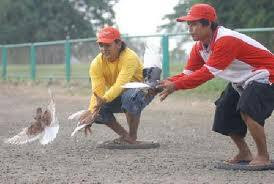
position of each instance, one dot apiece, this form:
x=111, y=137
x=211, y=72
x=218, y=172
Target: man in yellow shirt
x=113, y=67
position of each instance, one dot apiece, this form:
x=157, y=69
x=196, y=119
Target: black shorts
x=257, y=100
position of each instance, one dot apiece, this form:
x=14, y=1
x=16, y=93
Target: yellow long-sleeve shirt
x=108, y=77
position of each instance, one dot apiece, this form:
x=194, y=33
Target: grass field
x=214, y=86
x=80, y=71
x=47, y=71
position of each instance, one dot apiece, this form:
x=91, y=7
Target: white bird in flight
x=76, y=116
x=44, y=127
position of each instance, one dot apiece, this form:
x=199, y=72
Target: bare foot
x=129, y=140
x=126, y=139
x=240, y=158
x=260, y=160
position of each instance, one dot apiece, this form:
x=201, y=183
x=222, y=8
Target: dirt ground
x=181, y=124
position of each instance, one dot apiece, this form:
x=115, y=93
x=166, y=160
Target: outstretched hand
x=168, y=88
x=89, y=117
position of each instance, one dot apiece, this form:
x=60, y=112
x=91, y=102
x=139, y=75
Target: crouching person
x=248, y=100
x=113, y=67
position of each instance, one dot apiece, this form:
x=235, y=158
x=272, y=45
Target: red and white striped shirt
x=232, y=56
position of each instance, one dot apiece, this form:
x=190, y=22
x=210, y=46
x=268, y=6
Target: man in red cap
x=248, y=99
x=113, y=67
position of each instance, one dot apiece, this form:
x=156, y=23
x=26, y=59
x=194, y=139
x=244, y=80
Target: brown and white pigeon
x=44, y=127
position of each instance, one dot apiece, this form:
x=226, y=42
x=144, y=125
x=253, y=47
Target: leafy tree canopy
x=232, y=13
x=46, y=20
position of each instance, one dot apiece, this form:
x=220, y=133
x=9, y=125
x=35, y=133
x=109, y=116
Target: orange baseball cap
x=108, y=35
x=199, y=11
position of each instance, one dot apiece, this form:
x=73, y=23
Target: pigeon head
x=38, y=114
x=46, y=118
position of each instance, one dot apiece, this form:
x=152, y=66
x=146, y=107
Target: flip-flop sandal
x=118, y=140
x=244, y=165
x=121, y=144
x=110, y=141
x=241, y=162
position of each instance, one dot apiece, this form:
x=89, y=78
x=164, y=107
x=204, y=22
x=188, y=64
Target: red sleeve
x=176, y=77
x=193, y=80
x=194, y=63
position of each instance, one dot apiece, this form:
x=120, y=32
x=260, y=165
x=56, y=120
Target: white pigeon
x=136, y=85
x=76, y=116
x=44, y=127
x=152, y=67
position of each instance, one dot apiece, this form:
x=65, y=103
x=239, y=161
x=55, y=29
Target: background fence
x=69, y=59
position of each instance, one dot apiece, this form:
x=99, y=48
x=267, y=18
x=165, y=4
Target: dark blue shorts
x=132, y=101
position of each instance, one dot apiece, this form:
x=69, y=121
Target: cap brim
x=187, y=18
x=105, y=40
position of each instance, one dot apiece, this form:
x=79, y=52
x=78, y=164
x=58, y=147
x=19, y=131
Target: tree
x=46, y=20
x=243, y=13
x=232, y=14
x=172, y=26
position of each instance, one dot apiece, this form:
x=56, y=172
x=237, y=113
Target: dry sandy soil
x=181, y=124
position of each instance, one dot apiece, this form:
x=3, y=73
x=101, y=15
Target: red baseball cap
x=199, y=11
x=108, y=35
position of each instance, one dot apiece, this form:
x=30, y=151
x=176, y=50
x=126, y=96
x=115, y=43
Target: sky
x=141, y=17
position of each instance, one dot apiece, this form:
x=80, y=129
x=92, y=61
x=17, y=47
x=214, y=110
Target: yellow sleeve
x=97, y=82
x=129, y=66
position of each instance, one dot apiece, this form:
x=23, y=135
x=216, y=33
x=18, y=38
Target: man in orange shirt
x=113, y=67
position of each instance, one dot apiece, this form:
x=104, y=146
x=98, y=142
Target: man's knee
x=234, y=135
x=249, y=120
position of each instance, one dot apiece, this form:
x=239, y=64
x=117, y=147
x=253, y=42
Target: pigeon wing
x=79, y=127
x=50, y=132
x=23, y=137
x=136, y=85
x=49, y=135
x=76, y=115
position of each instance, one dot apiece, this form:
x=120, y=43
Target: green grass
x=176, y=68
x=210, y=89
x=214, y=86
x=79, y=77
x=48, y=71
